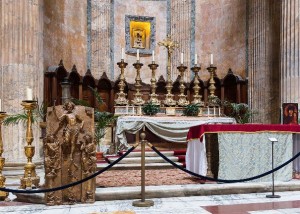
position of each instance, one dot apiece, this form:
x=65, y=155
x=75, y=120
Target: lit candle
x=196, y=59
x=207, y=111
x=211, y=59
x=133, y=110
x=219, y=111
x=153, y=56
x=138, y=55
x=29, y=95
x=181, y=58
x=0, y=105
x=122, y=53
x=214, y=111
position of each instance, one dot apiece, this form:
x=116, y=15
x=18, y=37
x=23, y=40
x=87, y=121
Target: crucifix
x=170, y=45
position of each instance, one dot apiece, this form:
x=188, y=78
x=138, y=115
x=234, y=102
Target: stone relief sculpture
x=70, y=153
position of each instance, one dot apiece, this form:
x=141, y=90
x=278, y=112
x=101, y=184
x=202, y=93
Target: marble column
x=263, y=65
x=21, y=66
x=290, y=48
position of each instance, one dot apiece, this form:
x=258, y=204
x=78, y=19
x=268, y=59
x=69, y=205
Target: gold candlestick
x=170, y=45
x=212, y=98
x=197, y=97
x=121, y=96
x=138, y=100
x=30, y=179
x=3, y=195
x=182, y=101
x=153, y=95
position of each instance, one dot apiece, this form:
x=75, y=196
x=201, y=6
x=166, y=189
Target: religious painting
x=139, y=38
x=139, y=34
x=290, y=113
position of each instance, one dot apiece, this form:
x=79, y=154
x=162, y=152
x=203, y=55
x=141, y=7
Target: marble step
x=132, y=160
x=150, y=154
x=138, y=166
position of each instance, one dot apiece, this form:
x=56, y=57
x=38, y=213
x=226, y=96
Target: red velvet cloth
x=198, y=131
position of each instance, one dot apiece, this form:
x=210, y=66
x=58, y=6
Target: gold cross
x=169, y=44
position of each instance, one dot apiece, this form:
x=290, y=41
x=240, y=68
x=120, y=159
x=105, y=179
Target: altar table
x=169, y=128
x=244, y=150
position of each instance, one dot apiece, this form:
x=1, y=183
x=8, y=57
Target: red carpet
x=154, y=177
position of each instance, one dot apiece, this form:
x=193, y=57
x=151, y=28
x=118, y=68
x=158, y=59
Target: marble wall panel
x=65, y=33
x=220, y=29
x=157, y=9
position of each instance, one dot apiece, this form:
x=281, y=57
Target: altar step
x=152, y=160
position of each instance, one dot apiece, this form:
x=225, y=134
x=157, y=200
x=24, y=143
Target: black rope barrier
x=70, y=184
x=222, y=180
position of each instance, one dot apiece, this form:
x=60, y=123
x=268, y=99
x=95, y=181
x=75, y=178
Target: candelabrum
x=170, y=45
x=197, y=97
x=30, y=179
x=153, y=96
x=121, y=96
x=3, y=195
x=182, y=101
x=137, y=100
x=212, y=98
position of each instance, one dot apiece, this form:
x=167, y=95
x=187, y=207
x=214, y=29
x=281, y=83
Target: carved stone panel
x=70, y=153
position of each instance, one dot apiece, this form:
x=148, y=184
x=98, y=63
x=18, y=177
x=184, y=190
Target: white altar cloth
x=173, y=129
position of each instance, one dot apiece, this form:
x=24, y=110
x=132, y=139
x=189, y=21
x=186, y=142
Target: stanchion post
x=143, y=202
x=273, y=195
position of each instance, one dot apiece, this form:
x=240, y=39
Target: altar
x=244, y=150
x=169, y=128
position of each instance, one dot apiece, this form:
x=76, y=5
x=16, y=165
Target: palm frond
x=18, y=118
x=80, y=102
x=96, y=94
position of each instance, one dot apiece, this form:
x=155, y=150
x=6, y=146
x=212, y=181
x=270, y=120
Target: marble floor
x=253, y=203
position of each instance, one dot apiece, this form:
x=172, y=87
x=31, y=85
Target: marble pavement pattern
x=193, y=204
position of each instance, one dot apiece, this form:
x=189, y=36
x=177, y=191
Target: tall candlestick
x=153, y=58
x=29, y=95
x=211, y=59
x=181, y=58
x=196, y=61
x=137, y=54
x=122, y=53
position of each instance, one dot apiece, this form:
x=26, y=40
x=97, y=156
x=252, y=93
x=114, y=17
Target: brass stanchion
x=3, y=195
x=30, y=179
x=143, y=202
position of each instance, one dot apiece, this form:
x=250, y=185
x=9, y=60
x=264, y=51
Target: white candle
x=211, y=59
x=0, y=105
x=126, y=109
x=138, y=55
x=133, y=110
x=219, y=111
x=122, y=53
x=181, y=58
x=207, y=111
x=214, y=111
x=153, y=56
x=196, y=61
x=29, y=95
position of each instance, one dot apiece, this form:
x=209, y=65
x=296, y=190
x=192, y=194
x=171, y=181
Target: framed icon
x=290, y=113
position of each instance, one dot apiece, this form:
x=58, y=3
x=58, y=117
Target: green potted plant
x=150, y=109
x=191, y=110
